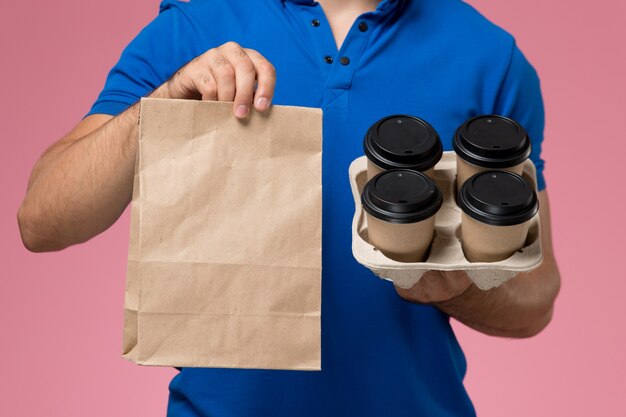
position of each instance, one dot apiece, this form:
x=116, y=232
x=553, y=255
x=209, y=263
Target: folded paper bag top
x=224, y=265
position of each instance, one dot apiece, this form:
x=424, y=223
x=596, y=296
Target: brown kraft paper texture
x=224, y=261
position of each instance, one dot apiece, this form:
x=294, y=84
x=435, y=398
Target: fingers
x=224, y=74
x=244, y=78
x=237, y=71
x=436, y=286
x=227, y=73
x=266, y=79
x=205, y=84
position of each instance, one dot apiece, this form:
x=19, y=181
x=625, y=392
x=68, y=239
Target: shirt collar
x=383, y=5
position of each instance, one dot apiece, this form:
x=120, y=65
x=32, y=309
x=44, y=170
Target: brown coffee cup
x=489, y=142
x=400, y=207
x=401, y=142
x=497, y=207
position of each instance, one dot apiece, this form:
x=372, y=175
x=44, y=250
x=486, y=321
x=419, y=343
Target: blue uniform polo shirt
x=436, y=59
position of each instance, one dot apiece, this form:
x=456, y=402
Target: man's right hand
x=83, y=182
x=226, y=73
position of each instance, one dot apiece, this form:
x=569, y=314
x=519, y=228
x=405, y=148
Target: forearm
x=521, y=307
x=80, y=189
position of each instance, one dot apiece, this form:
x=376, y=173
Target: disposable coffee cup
x=400, y=207
x=489, y=142
x=401, y=142
x=497, y=207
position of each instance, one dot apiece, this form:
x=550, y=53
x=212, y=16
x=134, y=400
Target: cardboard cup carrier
x=446, y=252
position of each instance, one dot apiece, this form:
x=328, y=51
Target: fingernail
x=241, y=111
x=262, y=103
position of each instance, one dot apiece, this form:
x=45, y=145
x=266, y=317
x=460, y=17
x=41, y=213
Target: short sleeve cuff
x=108, y=107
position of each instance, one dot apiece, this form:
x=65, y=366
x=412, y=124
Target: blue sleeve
x=520, y=98
x=150, y=59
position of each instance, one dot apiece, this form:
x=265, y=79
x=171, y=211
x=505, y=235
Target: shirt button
x=344, y=60
x=315, y=22
x=362, y=26
x=328, y=59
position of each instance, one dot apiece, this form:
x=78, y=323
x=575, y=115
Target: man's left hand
x=436, y=286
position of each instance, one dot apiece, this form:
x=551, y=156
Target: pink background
x=61, y=313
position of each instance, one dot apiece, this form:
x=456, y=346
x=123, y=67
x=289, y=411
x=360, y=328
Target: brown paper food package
x=446, y=253
x=224, y=262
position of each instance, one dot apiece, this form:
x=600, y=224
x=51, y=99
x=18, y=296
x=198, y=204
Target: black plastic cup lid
x=498, y=198
x=492, y=141
x=402, y=141
x=401, y=196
